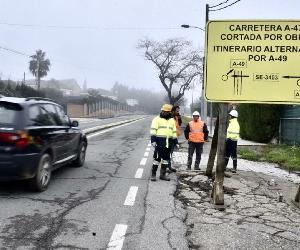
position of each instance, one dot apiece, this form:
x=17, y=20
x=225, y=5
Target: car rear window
x=8, y=113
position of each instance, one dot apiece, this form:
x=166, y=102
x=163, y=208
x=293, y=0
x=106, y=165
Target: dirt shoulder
x=254, y=217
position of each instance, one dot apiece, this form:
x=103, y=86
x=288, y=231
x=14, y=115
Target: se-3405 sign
x=253, y=61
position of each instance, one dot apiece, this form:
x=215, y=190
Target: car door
x=73, y=132
x=56, y=132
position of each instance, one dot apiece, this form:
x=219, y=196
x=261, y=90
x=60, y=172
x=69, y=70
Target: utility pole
x=218, y=192
x=37, y=72
x=203, y=101
x=297, y=197
x=192, y=107
x=24, y=78
x=210, y=104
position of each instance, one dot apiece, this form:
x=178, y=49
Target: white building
x=132, y=102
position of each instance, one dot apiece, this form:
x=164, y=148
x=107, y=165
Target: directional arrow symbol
x=290, y=77
x=239, y=75
x=229, y=72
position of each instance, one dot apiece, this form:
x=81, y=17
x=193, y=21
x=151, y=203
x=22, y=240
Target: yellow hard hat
x=166, y=107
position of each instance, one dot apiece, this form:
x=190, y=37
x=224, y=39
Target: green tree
x=39, y=66
x=259, y=122
x=26, y=91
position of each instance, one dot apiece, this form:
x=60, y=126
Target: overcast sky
x=96, y=39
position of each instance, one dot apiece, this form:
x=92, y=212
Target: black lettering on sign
x=273, y=37
x=266, y=77
x=293, y=37
x=257, y=58
x=297, y=94
x=238, y=63
x=281, y=58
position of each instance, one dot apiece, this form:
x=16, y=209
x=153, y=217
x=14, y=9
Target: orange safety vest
x=178, y=129
x=196, y=131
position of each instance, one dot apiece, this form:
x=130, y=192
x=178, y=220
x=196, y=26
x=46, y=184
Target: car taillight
x=20, y=139
x=23, y=140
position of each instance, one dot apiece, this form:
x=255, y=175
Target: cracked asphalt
x=254, y=217
x=82, y=205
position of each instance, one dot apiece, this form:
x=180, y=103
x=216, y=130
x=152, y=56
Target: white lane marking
x=146, y=154
x=99, y=133
x=139, y=173
x=148, y=149
x=109, y=129
x=130, y=199
x=117, y=238
x=143, y=161
x=149, y=144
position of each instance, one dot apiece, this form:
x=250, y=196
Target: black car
x=36, y=137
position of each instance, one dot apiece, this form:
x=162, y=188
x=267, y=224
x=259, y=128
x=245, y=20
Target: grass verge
x=287, y=157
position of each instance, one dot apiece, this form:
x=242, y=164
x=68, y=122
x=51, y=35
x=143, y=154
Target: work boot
x=196, y=168
x=226, y=163
x=153, y=174
x=234, y=166
x=163, y=170
x=172, y=169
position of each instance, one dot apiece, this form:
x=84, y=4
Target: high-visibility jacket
x=233, y=130
x=196, y=133
x=163, y=131
x=178, y=128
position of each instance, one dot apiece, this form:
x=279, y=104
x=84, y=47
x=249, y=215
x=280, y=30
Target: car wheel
x=41, y=180
x=79, y=162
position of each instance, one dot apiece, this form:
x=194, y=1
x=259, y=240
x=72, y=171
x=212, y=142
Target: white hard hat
x=234, y=113
x=196, y=113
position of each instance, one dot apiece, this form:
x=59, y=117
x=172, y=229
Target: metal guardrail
x=114, y=124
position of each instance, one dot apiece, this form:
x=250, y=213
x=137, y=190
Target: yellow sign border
x=206, y=60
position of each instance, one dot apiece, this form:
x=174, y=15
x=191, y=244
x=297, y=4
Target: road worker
x=196, y=133
x=163, y=137
x=233, y=134
x=177, y=117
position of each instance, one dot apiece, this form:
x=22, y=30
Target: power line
x=226, y=6
x=47, y=26
x=219, y=4
x=141, y=28
x=14, y=51
x=52, y=60
x=86, y=27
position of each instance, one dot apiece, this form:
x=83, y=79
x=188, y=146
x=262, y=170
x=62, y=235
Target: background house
x=69, y=87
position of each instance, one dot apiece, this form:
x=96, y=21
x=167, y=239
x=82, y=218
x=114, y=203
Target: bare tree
x=178, y=64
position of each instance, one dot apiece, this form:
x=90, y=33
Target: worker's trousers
x=198, y=146
x=161, y=154
x=231, y=147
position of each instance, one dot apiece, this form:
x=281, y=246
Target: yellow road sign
x=253, y=61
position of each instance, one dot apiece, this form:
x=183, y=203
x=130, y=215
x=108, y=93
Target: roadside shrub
x=259, y=122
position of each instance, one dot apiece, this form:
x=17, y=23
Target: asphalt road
x=108, y=203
